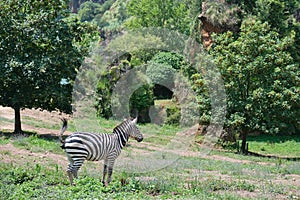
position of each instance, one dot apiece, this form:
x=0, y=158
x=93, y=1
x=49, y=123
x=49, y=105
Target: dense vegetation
x=254, y=46
x=221, y=64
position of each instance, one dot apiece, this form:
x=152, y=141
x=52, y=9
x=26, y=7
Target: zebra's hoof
x=105, y=184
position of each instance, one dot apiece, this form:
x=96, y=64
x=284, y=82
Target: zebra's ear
x=135, y=120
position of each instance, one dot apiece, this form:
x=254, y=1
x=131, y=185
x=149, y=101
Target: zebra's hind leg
x=75, y=174
x=76, y=166
x=73, y=169
x=70, y=173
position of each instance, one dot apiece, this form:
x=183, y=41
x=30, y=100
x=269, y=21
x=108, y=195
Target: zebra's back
x=91, y=146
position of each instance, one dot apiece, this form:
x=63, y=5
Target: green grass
x=279, y=145
x=36, y=143
x=4, y=139
x=188, y=177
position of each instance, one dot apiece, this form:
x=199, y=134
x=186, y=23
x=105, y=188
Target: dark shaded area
x=250, y=153
x=162, y=92
x=49, y=137
x=274, y=139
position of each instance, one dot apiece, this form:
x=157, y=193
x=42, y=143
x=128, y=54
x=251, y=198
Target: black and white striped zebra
x=81, y=146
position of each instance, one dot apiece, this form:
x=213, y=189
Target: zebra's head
x=135, y=133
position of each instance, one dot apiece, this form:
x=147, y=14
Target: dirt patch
x=11, y=154
x=51, y=118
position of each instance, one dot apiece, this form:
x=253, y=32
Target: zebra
x=81, y=146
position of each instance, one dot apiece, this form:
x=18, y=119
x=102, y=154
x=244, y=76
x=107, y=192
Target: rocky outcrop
x=217, y=17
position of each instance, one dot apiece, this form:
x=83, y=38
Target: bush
x=162, y=74
x=173, y=115
x=169, y=58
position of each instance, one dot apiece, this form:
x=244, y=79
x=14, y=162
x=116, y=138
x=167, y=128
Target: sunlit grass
x=275, y=145
x=35, y=143
x=188, y=177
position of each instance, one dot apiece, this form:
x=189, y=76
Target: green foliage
x=277, y=13
x=103, y=104
x=162, y=74
x=88, y=11
x=110, y=19
x=40, y=53
x=169, y=58
x=261, y=79
x=168, y=14
x=222, y=15
x=140, y=102
x=140, y=48
x=173, y=115
x=281, y=17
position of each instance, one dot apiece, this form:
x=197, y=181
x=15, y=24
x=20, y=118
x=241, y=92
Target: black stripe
x=81, y=157
x=75, y=141
x=76, y=148
x=96, y=143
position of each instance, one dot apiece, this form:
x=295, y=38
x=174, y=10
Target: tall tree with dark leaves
x=39, y=55
x=261, y=78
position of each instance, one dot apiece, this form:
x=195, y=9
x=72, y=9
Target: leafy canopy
x=39, y=54
x=170, y=14
x=261, y=79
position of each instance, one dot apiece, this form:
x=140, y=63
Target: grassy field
x=280, y=145
x=33, y=167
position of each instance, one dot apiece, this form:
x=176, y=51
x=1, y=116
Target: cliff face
x=217, y=17
x=207, y=29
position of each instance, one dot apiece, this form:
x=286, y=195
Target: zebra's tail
x=62, y=130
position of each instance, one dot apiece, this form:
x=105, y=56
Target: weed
x=6, y=153
x=36, y=144
x=4, y=140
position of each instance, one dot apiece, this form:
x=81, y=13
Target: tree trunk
x=244, y=141
x=18, y=128
x=74, y=6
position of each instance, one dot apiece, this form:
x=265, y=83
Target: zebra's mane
x=122, y=125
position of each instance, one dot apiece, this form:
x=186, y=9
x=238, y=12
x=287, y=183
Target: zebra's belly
x=91, y=147
x=81, y=151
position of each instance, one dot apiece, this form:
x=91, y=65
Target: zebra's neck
x=122, y=133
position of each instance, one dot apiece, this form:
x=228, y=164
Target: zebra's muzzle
x=139, y=139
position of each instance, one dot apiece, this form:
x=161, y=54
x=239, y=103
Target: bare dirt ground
x=48, y=117
x=12, y=154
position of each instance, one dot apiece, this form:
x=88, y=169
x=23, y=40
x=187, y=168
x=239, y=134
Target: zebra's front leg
x=104, y=173
x=110, y=170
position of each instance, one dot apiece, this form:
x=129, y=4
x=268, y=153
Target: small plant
x=173, y=115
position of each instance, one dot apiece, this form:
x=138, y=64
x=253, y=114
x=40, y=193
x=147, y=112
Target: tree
x=159, y=13
x=281, y=15
x=88, y=11
x=39, y=55
x=261, y=78
x=139, y=49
